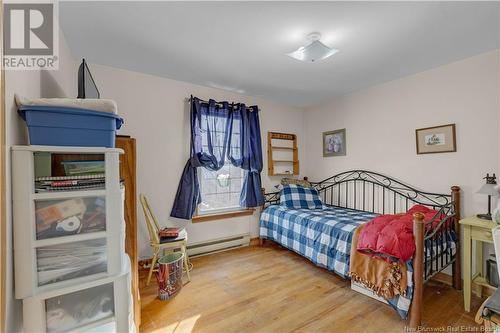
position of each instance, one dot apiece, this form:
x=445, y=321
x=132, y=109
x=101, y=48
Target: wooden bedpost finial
x=418, y=217
x=455, y=198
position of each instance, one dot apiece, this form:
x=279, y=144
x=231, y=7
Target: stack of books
x=169, y=233
x=70, y=183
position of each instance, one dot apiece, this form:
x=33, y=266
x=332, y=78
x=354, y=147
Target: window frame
x=240, y=178
x=221, y=216
x=222, y=213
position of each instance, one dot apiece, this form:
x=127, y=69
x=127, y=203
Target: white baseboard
x=218, y=245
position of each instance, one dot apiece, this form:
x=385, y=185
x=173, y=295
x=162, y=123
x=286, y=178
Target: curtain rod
x=188, y=99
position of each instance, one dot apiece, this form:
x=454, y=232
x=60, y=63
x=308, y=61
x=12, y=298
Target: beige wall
x=156, y=114
x=35, y=83
x=381, y=122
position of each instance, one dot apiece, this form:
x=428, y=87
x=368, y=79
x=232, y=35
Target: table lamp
x=488, y=189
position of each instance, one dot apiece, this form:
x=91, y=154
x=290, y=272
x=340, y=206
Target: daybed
x=353, y=198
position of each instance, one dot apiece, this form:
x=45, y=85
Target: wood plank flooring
x=270, y=289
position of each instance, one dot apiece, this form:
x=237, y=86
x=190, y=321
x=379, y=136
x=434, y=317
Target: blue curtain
x=249, y=157
x=212, y=142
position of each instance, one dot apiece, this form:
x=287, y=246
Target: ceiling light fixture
x=314, y=51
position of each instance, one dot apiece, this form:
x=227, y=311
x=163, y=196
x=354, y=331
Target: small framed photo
x=334, y=143
x=437, y=139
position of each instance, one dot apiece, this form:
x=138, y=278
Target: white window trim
x=219, y=210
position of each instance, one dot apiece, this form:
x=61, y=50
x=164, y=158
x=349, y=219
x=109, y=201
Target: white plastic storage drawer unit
x=82, y=308
x=64, y=237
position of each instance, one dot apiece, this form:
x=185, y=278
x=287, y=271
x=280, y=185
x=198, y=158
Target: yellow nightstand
x=478, y=230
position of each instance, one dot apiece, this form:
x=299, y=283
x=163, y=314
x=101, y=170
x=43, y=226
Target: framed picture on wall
x=437, y=139
x=334, y=143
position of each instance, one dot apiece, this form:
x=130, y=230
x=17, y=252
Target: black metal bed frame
x=373, y=192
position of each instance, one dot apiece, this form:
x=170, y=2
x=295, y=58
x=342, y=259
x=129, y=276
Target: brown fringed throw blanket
x=386, y=279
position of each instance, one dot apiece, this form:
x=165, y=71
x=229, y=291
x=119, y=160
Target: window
x=220, y=190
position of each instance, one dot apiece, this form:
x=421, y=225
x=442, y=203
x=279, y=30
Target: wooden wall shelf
x=285, y=148
x=282, y=149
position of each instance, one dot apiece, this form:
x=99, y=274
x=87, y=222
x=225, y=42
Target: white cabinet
x=67, y=261
x=101, y=305
x=69, y=246
x=92, y=208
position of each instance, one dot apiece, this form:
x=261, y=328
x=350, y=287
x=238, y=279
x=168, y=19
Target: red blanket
x=391, y=236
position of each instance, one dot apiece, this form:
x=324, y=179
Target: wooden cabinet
x=128, y=175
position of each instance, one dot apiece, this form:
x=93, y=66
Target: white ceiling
x=240, y=46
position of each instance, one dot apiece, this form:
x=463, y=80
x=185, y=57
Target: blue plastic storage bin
x=63, y=126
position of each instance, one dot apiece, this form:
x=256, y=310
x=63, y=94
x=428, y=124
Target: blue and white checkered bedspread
x=323, y=236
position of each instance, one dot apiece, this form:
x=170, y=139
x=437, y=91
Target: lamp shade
x=488, y=189
x=313, y=51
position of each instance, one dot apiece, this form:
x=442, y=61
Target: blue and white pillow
x=295, y=196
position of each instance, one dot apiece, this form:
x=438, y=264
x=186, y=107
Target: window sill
x=221, y=216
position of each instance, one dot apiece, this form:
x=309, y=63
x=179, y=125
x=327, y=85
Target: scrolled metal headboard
x=271, y=198
x=374, y=192
x=360, y=181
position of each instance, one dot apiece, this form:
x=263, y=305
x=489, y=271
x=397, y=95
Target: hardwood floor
x=270, y=289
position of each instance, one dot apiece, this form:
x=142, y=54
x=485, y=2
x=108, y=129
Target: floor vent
x=218, y=245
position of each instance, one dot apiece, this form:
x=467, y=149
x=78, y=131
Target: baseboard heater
x=218, y=245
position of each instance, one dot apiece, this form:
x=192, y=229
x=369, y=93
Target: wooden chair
x=158, y=245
